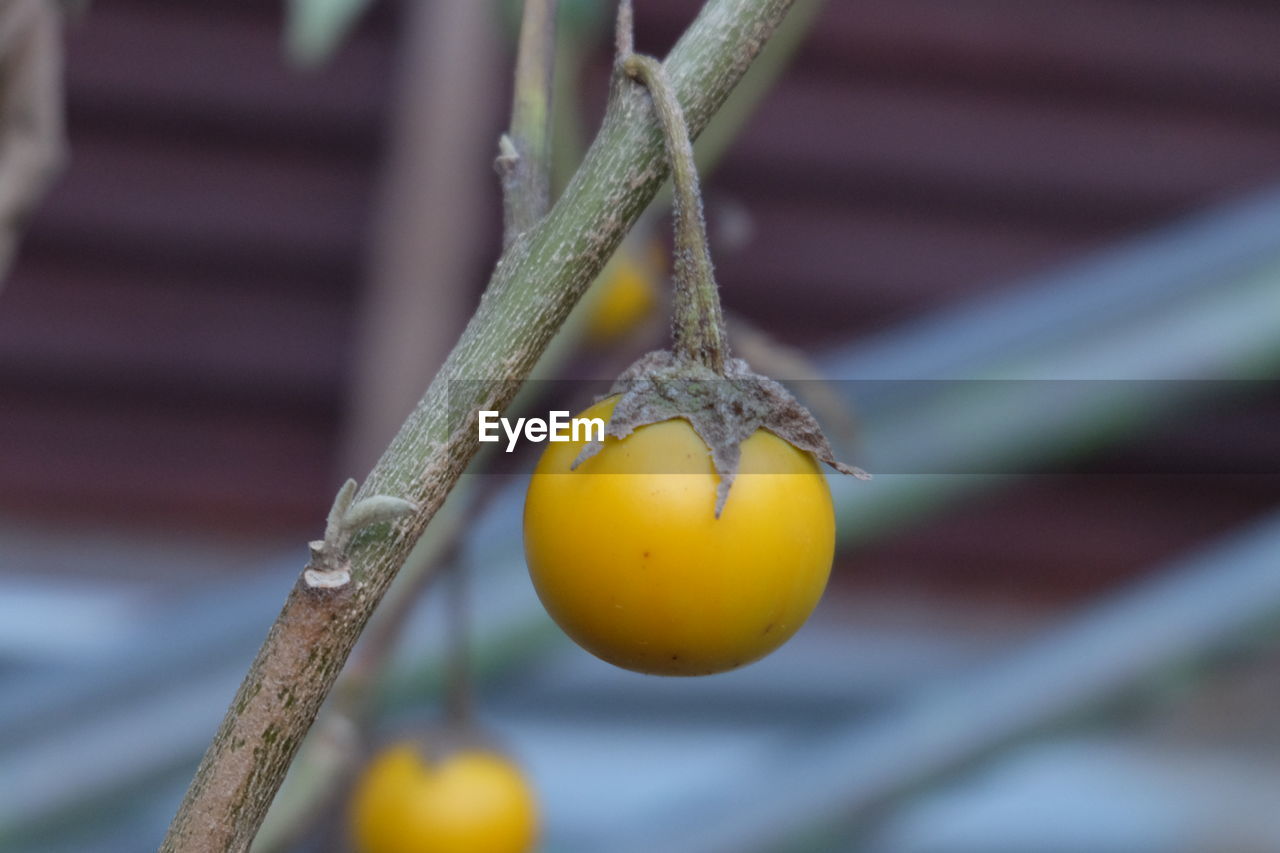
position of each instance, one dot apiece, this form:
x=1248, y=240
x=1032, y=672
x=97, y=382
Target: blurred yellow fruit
x=627, y=296
x=472, y=801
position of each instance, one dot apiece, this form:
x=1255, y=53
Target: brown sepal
x=723, y=410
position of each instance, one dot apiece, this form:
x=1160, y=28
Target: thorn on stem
x=508, y=155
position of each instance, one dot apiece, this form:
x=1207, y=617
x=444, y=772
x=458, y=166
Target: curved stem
x=697, y=322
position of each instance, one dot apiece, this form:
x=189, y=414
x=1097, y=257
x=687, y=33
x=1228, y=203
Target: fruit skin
x=473, y=801
x=629, y=559
x=626, y=297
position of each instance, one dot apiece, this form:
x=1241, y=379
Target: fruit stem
x=458, y=687
x=697, y=322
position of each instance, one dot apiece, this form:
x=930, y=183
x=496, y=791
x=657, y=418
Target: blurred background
x=1035, y=249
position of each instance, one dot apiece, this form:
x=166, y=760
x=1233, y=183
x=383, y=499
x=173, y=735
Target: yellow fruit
x=626, y=296
x=470, y=802
x=628, y=557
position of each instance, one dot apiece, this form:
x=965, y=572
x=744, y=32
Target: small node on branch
x=508, y=157
x=329, y=567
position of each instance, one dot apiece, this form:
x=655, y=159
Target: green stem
x=762, y=79
x=697, y=321
x=524, y=160
x=458, y=684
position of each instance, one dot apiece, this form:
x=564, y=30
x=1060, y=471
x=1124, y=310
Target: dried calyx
x=724, y=409
x=721, y=397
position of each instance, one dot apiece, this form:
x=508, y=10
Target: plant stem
x=697, y=323
x=353, y=695
x=458, y=684
x=524, y=160
x=758, y=82
x=534, y=286
x=33, y=146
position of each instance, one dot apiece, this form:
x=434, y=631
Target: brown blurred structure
x=175, y=343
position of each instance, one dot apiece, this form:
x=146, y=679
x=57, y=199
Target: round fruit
x=630, y=560
x=626, y=296
x=470, y=802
